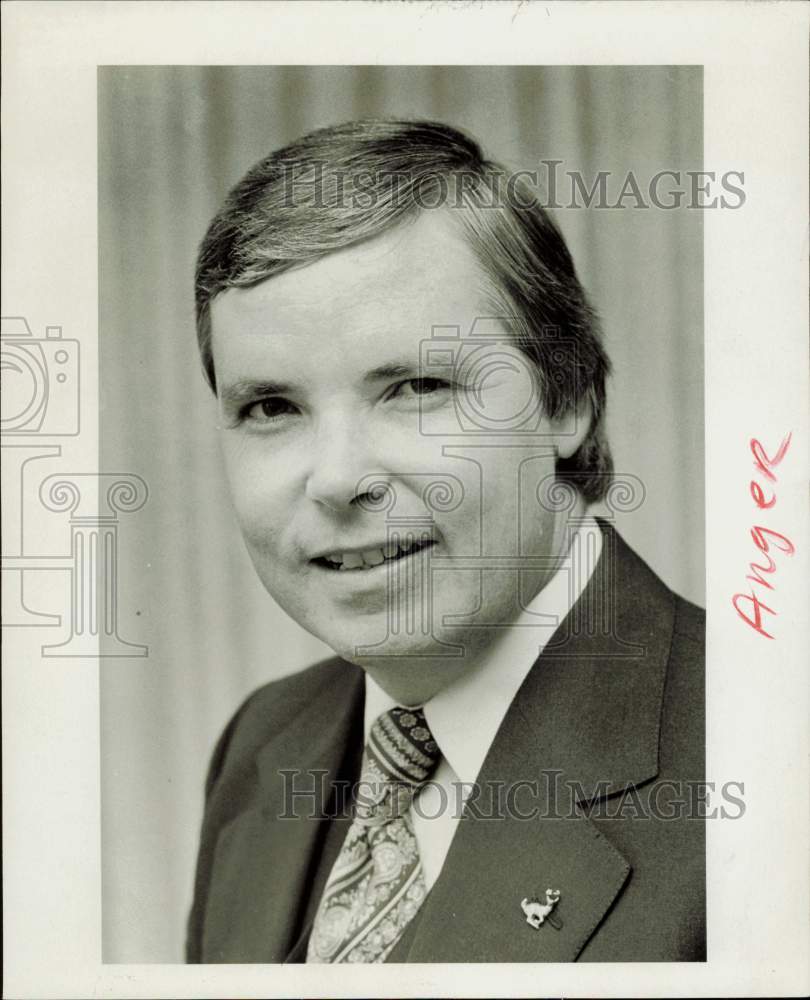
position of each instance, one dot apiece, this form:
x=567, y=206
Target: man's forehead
x=422, y=270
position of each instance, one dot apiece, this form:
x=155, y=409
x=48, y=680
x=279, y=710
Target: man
x=412, y=389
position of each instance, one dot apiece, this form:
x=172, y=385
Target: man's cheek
x=259, y=521
x=264, y=541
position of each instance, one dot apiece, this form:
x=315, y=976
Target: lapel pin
x=538, y=912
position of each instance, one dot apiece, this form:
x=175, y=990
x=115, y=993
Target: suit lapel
x=272, y=860
x=473, y=913
x=585, y=719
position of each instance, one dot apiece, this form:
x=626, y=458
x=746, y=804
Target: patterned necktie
x=377, y=883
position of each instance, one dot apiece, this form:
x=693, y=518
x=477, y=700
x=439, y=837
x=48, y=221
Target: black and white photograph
x=409, y=415
x=425, y=527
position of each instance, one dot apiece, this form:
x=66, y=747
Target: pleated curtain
x=172, y=141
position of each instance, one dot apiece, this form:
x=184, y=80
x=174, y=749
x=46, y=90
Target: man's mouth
x=364, y=559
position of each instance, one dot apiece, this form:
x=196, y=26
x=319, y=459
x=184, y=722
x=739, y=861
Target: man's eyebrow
x=244, y=390
x=394, y=369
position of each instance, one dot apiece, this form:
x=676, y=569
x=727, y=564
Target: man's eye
x=420, y=387
x=270, y=409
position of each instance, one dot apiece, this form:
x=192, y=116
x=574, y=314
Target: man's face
x=342, y=449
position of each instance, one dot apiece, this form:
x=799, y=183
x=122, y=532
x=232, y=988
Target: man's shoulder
x=275, y=706
x=634, y=576
x=690, y=622
x=686, y=682
x=294, y=692
x=685, y=619
x=678, y=627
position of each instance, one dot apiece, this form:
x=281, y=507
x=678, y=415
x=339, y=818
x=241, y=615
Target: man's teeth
x=374, y=557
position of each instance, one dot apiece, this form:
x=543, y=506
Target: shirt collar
x=465, y=716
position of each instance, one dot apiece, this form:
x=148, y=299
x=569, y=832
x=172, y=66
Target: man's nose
x=340, y=461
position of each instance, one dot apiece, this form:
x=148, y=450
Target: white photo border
x=756, y=321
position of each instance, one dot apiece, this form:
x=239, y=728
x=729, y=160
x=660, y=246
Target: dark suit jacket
x=615, y=701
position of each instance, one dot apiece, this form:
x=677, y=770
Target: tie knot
x=403, y=745
x=400, y=757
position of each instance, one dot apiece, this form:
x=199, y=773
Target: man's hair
x=344, y=184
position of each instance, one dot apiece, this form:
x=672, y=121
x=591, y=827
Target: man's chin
x=369, y=646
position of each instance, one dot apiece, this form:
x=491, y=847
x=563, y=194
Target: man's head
x=341, y=185
x=321, y=285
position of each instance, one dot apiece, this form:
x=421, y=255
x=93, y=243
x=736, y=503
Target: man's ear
x=570, y=430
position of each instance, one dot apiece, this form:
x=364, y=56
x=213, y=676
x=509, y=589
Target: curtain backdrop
x=172, y=141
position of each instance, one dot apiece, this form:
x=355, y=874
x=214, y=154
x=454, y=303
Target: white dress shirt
x=465, y=716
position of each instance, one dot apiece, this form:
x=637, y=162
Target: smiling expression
x=336, y=438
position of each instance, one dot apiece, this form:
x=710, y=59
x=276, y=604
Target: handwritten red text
x=749, y=606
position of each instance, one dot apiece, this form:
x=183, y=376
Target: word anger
x=749, y=606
